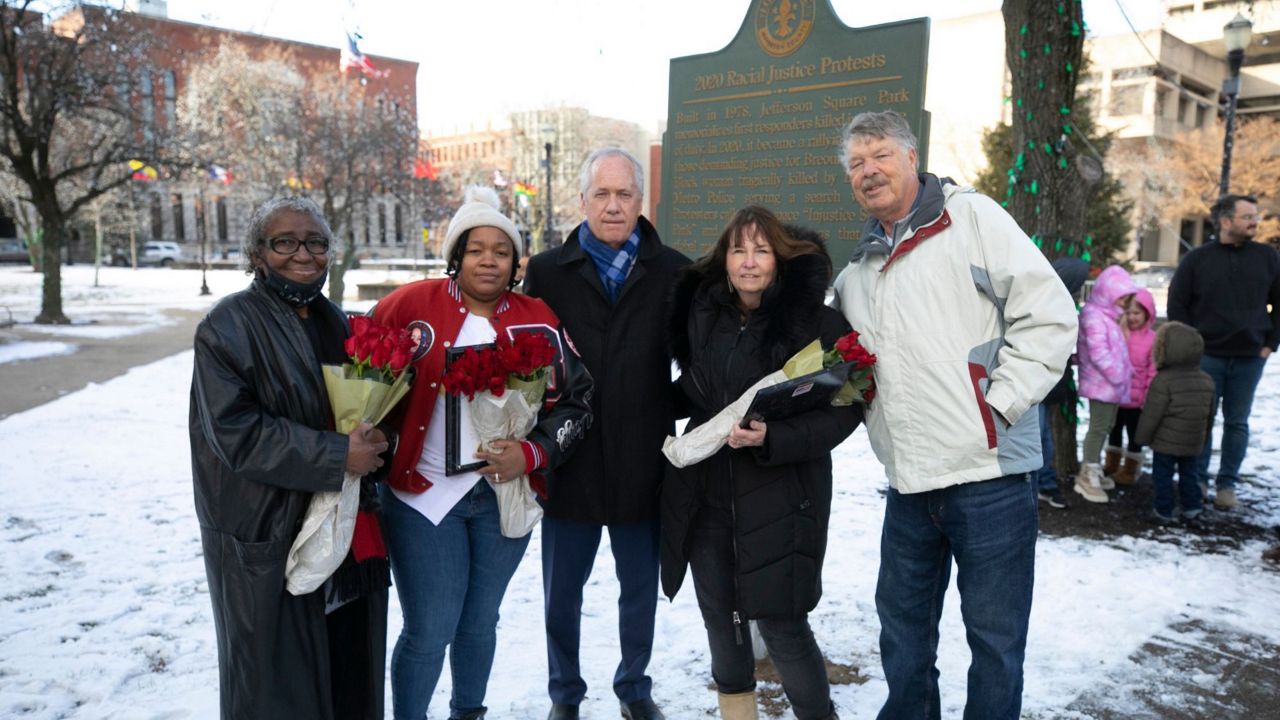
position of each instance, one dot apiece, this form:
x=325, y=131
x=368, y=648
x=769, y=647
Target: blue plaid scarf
x=613, y=266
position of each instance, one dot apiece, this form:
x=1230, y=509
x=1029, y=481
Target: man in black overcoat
x=609, y=284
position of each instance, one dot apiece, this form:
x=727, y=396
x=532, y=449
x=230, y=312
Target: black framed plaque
x=453, y=464
x=798, y=395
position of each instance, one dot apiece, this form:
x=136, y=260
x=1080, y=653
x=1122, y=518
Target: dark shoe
x=563, y=712
x=641, y=710
x=477, y=714
x=1053, y=498
x=1155, y=518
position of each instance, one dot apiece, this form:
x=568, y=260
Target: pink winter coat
x=1102, y=353
x=1140, y=345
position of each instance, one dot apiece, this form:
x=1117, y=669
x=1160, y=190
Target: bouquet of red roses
x=861, y=385
x=363, y=390
x=705, y=440
x=522, y=364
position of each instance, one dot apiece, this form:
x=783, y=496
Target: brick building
x=172, y=207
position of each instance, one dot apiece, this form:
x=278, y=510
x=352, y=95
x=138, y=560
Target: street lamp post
x=549, y=239
x=204, y=258
x=1235, y=36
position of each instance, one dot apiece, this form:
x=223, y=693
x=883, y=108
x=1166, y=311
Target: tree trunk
x=1044, y=45
x=51, y=259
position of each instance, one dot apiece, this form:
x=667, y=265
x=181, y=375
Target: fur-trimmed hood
x=800, y=287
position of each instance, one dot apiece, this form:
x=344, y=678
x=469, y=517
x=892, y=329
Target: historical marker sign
x=759, y=121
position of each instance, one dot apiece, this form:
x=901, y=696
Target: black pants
x=1126, y=420
x=790, y=641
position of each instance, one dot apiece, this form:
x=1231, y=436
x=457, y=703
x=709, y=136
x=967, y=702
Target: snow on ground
x=104, y=609
x=15, y=351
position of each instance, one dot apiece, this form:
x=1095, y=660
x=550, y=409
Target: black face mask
x=298, y=295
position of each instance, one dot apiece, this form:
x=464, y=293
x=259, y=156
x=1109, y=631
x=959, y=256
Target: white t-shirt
x=446, y=491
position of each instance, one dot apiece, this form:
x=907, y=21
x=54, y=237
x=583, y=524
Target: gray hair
x=589, y=167
x=878, y=125
x=253, y=241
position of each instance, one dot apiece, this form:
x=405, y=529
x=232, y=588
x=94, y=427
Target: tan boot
x=1088, y=483
x=1111, y=456
x=739, y=706
x=1130, y=470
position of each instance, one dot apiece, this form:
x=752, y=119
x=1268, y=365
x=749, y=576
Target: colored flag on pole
x=220, y=174
x=525, y=190
x=142, y=171
x=424, y=170
x=351, y=57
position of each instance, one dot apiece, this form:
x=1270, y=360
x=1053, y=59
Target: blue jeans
x=1162, y=467
x=1046, y=476
x=568, y=552
x=1234, y=381
x=990, y=529
x=451, y=578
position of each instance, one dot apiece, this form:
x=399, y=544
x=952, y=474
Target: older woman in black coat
x=261, y=444
x=752, y=519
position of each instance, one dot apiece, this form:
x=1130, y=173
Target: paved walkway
x=29, y=383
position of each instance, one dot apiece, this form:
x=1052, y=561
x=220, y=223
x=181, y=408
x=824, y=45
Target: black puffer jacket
x=1178, y=414
x=780, y=493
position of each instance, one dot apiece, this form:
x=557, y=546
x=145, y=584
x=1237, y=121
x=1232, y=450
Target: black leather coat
x=259, y=451
x=780, y=493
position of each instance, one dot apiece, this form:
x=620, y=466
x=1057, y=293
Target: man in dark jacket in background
x=608, y=284
x=1222, y=289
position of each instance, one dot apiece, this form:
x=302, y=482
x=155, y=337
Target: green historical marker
x=759, y=121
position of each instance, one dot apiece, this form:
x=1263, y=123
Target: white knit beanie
x=480, y=207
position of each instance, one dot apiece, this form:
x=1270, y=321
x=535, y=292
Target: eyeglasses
x=288, y=244
x=1246, y=218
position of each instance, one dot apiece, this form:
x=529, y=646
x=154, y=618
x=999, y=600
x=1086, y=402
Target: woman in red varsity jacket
x=450, y=561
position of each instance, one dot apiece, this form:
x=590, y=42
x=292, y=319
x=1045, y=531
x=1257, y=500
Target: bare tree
x=1179, y=179
x=67, y=124
x=360, y=148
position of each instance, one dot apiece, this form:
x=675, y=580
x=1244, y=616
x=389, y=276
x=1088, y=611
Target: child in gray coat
x=1176, y=420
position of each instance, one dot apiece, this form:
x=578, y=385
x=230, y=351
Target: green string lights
x=1020, y=178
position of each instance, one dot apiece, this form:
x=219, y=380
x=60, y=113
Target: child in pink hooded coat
x=1105, y=372
x=1137, y=322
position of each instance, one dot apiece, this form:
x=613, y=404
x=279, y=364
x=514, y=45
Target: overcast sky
x=479, y=59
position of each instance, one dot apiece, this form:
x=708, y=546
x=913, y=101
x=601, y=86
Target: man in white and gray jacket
x=971, y=327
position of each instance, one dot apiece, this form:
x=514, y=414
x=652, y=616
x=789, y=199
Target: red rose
x=399, y=359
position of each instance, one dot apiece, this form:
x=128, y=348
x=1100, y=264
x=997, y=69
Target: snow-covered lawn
x=104, y=611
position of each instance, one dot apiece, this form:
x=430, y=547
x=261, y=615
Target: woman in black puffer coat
x=752, y=519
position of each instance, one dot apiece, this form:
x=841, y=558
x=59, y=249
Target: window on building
x=1126, y=100
x=170, y=100
x=1149, y=244
x=157, y=218
x=399, y=225
x=382, y=224
x=368, y=235
x=221, y=216
x=179, y=218
x=148, y=107
x=1202, y=115
x=122, y=82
